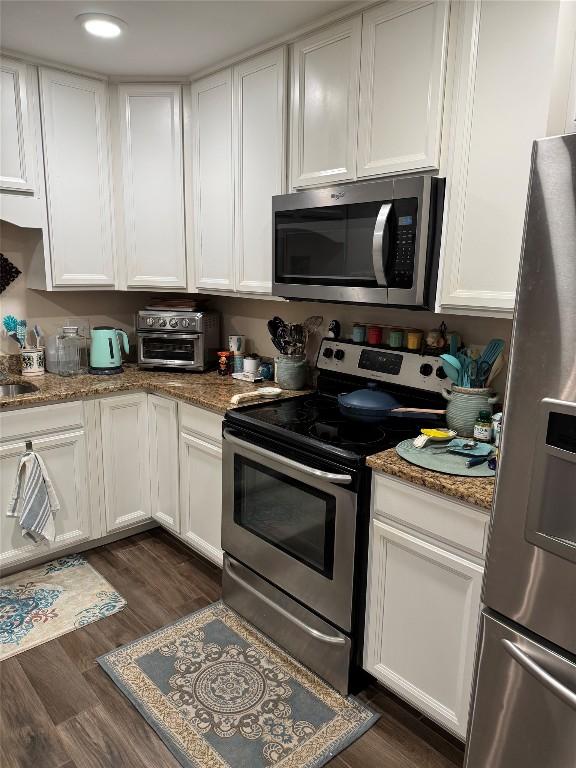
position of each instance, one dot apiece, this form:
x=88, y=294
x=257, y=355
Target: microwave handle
x=380, y=244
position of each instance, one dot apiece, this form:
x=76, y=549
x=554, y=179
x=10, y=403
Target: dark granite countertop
x=206, y=390
x=472, y=490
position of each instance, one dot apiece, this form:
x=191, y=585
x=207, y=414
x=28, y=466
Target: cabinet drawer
x=45, y=418
x=431, y=513
x=202, y=422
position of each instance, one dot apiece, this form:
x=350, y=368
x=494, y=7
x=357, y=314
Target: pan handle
x=418, y=410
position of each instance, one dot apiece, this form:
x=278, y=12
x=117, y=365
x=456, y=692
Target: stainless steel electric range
x=296, y=504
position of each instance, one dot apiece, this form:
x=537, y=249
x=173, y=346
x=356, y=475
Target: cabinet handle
x=379, y=245
x=309, y=630
x=543, y=677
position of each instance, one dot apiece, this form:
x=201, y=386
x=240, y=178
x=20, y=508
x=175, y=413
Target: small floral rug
x=42, y=603
x=220, y=695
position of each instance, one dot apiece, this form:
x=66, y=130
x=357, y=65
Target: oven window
x=292, y=516
x=155, y=348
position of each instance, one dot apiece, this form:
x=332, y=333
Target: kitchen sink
x=11, y=390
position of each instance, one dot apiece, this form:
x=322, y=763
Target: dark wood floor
x=58, y=709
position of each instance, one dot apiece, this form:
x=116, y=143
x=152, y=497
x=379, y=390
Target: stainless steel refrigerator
x=524, y=705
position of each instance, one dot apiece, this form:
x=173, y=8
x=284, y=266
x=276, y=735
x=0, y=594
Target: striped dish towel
x=34, y=500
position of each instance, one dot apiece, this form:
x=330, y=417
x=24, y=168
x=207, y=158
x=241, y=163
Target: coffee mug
x=237, y=344
x=32, y=361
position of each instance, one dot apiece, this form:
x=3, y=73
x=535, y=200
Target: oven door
x=174, y=350
x=291, y=523
x=364, y=242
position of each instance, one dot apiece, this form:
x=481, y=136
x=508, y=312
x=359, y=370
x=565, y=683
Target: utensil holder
x=464, y=405
x=291, y=371
x=32, y=361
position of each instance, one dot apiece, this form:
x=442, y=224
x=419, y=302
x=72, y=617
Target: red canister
x=374, y=334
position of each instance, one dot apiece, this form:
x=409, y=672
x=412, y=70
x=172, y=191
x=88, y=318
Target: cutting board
x=447, y=463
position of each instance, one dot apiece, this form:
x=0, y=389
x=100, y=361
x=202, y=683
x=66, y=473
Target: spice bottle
x=483, y=427
x=224, y=366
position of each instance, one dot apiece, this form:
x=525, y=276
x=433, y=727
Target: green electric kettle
x=105, y=354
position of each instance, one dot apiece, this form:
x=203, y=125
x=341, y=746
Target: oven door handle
x=178, y=335
x=319, y=474
x=380, y=246
x=316, y=634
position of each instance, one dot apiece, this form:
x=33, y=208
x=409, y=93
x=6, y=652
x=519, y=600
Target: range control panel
x=410, y=369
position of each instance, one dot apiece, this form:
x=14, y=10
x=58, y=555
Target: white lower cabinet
x=201, y=481
x=164, y=474
x=58, y=435
x=422, y=616
x=125, y=462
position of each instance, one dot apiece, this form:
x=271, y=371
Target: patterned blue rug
x=221, y=695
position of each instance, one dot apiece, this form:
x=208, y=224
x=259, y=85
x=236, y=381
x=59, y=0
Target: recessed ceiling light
x=101, y=24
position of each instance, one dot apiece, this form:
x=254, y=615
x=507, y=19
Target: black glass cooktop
x=315, y=419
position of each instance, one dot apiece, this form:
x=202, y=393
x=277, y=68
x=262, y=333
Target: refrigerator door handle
x=543, y=677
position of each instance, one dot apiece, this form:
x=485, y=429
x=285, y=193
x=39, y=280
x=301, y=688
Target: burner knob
x=185, y=323
x=173, y=322
x=150, y=321
x=339, y=354
x=328, y=352
x=426, y=369
x=162, y=322
x=441, y=373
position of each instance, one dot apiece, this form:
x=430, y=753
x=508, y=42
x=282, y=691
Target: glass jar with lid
x=71, y=352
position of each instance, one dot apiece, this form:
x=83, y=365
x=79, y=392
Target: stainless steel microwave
x=373, y=242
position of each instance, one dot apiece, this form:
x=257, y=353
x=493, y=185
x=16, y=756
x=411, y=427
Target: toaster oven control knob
x=426, y=369
x=441, y=373
x=185, y=323
x=339, y=354
x=173, y=322
x=328, y=352
x=162, y=322
x=150, y=321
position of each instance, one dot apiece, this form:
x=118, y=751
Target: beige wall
x=51, y=310
x=249, y=317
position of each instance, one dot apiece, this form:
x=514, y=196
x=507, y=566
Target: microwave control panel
x=404, y=224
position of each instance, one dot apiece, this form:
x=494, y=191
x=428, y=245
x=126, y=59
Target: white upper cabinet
x=150, y=118
x=78, y=181
x=259, y=135
x=504, y=70
x=16, y=147
x=402, y=87
x=213, y=183
x=324, y=115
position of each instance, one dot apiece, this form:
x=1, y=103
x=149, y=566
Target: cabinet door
x=65, y=458
x=259, y=122
x=16, y=147
x=501, y=103
x=164, y=491
x=422, y=617
x=153, y=185
x=402, y=87
x=324, y=117
x=213, y=183
x=78, y=186
x=124, y=421
x=201, y=495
